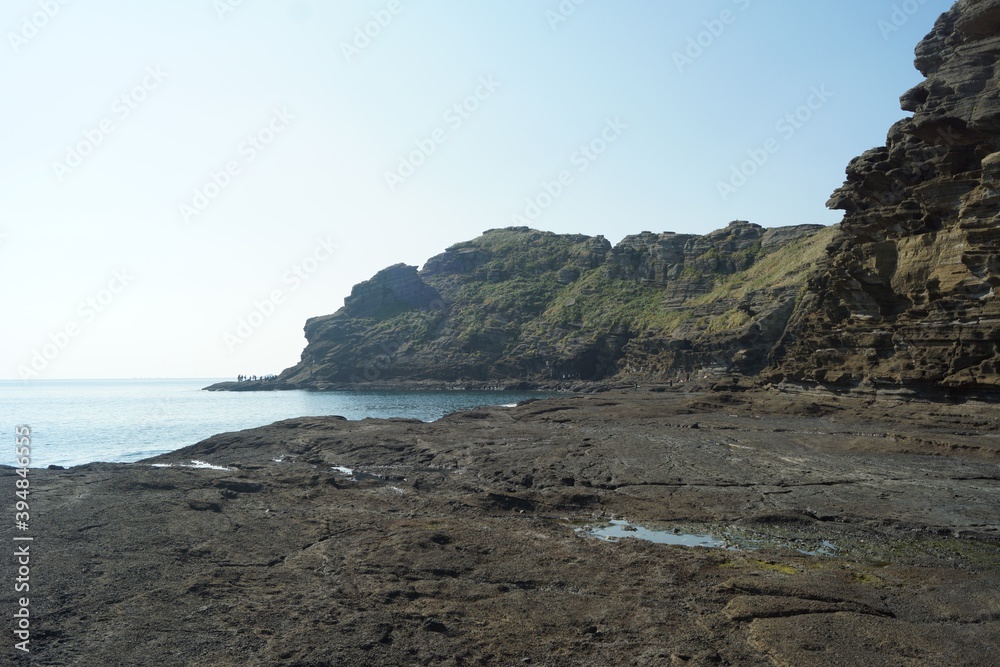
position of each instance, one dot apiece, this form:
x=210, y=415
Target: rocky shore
x=423, y=385
x=842, y=461
x=856, y=531
x=511, y=384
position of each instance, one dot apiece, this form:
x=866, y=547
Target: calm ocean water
x=81, y=421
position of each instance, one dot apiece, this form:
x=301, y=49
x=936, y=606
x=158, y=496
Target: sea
x=73, y=422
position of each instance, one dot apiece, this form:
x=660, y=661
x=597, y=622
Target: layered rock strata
x=908, y=293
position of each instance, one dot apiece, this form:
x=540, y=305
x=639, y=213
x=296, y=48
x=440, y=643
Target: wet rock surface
x=320, y=541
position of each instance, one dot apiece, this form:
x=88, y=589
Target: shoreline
x=415, y=385
x=714, y=382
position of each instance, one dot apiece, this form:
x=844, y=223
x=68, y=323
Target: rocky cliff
x=518, y=305
x=903, y=293
x=907, y=295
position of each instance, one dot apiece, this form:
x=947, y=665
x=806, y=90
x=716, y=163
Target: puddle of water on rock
x=360, y=476
x=826, y=548
x=619, y=529
x=395, y=473
x=752, y=541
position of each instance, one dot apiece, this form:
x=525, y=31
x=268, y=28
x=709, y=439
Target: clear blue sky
x=290, y=128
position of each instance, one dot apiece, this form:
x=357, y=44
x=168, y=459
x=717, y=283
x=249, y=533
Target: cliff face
x=903, y=293
x=519, y=304
x=908, y=293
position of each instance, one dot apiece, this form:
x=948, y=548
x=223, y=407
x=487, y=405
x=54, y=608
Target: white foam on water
x=198, y=465
x=202, y=465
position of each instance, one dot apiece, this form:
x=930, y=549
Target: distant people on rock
x=256, y=378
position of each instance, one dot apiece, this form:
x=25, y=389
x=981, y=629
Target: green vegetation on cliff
x=521, y=304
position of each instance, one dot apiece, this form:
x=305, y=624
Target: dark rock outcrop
x=518, y=305
x=390, y=291
x=908, y=293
